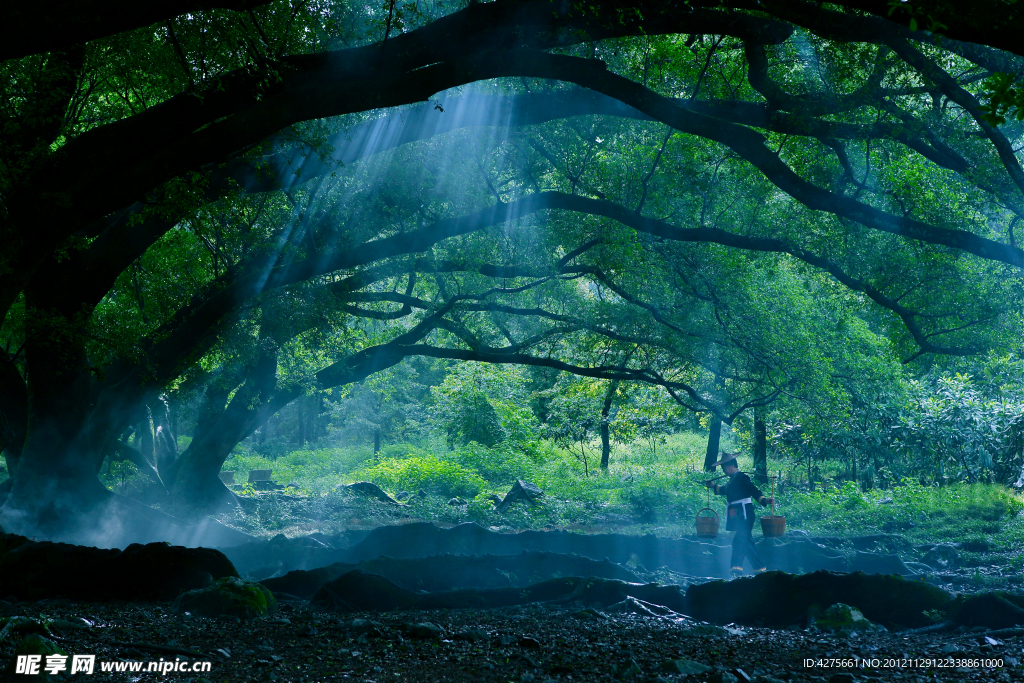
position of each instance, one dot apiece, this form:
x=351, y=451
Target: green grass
x=961, y=512
x=656, y=486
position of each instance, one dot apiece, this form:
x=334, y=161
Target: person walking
x=740, y=493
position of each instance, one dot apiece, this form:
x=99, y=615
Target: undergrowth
x=647, y=488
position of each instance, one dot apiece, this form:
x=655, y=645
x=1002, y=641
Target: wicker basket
x=773, y=526
x=707, y=527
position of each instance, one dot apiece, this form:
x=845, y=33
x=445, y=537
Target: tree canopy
x=733, y=203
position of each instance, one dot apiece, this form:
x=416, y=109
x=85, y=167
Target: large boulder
x=778, y=599
x=229, y=596
x=155, y=571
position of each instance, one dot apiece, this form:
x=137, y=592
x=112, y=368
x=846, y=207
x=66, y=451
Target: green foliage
x=318, y=469
x=411, y=474
x=483, y=403
x=950, y=513
x=499, y=466
x=1005, y=95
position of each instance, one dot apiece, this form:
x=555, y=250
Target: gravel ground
x=529, y=644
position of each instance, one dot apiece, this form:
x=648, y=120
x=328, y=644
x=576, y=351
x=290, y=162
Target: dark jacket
x=737, y=488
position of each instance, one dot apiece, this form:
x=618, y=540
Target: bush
x=427, y=472
x=500, y=466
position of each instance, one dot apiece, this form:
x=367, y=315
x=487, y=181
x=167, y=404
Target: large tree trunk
x=13, y=412
x=195, y=485
x=714, y=439
x=606, y=442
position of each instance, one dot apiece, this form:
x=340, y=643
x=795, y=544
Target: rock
x=358, y=591
x=402, y=496
x=472, y=635
x=942, y=557
x=35, y=644
x=778, y=599
x=155, y=571
x=229, y=596
x=686, y=667
x=529, y=643
x=456, y=502
x=520, y=491
x=876, y=563
x=423, y=631
x=65, y=625
x=632, y=670
x=16, y=628
x=364, y=626
x=997, y=609
x=588, y=614
x=368, y=488
x=842, y=618
x=293, y=485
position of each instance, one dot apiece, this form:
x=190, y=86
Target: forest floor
x=523, y=644
x=530, y=644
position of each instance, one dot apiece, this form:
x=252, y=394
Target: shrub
x=427, y=472
x=500, y=466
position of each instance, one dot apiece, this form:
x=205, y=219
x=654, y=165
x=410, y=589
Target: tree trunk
x=376, y=442
x=197, y=489
x=760, y=447
x=606, y=443
x=13, y=412
x=714, y=438
x=70, y=427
